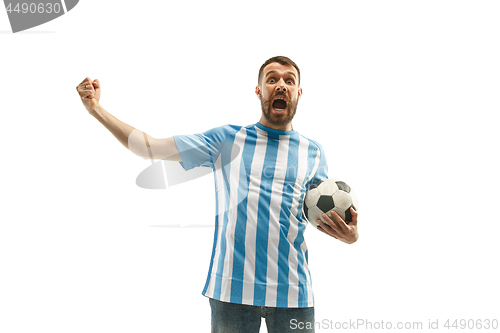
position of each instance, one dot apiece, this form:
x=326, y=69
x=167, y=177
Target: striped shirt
x=259, y=254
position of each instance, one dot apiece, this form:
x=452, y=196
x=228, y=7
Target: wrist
x=96, y=109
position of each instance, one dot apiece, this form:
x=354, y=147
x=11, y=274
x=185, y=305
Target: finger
x=320, y=228
x=97, y=86
x=330, y=223
x=84, y=86
x=323, y=231
x=326, y=233
x=86, y=93
x=87, y=80
x=85, y=90
x=339, y=222
x=328, y=229
x=84, y=80
x=354, y=220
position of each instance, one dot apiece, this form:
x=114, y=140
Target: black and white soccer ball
x=327, y=195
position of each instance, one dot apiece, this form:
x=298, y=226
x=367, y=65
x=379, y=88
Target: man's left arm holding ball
x=337, y=228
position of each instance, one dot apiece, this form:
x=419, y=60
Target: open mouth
x=279, y=104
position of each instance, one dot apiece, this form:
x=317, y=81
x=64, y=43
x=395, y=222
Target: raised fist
x=90, y=93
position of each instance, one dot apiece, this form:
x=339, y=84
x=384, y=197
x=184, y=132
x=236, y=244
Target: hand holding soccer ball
x=338, y=228
x=330, y=206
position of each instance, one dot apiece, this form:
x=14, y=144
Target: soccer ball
x=327, y=195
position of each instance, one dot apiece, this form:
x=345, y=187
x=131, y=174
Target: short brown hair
x=282, y=61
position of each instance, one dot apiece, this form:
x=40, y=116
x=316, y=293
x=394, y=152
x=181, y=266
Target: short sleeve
x=322, y=170
x=202, y=149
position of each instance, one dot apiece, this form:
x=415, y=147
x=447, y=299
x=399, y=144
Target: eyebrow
x=288, y=72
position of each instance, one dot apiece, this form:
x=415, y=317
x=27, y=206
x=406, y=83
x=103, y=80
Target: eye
x=271, y=80
x=289, y=81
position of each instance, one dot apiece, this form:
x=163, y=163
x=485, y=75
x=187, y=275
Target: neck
x=285, y=127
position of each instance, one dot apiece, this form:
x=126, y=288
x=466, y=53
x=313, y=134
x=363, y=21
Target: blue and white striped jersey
x=259, y=255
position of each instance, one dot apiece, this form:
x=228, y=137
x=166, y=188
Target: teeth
x=279, y=98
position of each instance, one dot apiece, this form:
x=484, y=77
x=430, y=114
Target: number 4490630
x=34, y=8
x=471, y=324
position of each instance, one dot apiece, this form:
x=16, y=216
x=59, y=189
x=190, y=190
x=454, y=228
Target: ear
x=257, y=91
x=299, y=92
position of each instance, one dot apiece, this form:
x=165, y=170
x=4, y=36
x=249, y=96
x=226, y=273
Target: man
x=259, y=260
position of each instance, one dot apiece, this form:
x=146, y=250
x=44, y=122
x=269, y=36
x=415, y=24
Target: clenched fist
x=90, y=93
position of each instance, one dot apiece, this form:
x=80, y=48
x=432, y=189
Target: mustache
x=281, y=94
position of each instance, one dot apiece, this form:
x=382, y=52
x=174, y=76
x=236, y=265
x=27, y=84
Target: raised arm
x=134, y=140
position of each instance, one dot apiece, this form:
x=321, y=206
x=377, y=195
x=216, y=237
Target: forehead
x=280, y=69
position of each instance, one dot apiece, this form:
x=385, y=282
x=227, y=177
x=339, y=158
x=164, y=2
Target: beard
x=279, y=119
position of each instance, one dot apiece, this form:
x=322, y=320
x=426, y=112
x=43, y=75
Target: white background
x=401, y=94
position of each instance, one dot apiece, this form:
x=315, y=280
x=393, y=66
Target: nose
x=281, y=86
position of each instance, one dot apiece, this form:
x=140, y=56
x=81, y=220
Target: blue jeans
x=239, y=318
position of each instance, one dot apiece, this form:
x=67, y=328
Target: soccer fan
x=259, y=262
